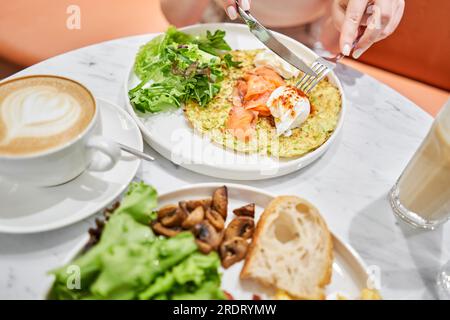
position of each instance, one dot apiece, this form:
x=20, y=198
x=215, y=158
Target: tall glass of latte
x=421, y=195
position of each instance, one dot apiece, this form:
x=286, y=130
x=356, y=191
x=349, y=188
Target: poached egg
x=289, y=107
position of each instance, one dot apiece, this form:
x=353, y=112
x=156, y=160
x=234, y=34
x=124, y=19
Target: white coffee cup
x=88, y=150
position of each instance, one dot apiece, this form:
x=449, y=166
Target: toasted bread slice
x=292, y=249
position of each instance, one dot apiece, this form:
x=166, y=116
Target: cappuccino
x=38, y=113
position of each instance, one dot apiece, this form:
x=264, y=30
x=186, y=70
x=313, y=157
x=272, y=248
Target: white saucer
x=25, y=209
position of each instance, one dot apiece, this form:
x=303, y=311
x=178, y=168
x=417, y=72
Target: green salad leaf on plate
x=176, y=67
x=130, y=262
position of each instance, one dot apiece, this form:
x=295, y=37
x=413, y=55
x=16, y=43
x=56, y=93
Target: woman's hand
x=381, y=18
x=230, y=7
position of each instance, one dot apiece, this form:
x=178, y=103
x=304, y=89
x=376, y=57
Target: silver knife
x=266, y=36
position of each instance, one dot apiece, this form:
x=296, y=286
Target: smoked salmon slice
x=259, y=104
x=256, y=86
x=261, y=80
x=270, y=75
x=249, y=98
x=241, y=122
x=239, y=92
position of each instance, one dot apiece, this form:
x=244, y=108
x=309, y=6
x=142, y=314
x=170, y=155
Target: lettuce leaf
x=188, y=278
x=130, y=262
x=139, y=202
x=177, y=67
x=129, y=268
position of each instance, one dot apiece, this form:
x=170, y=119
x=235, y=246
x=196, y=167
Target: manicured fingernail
x=346, y=50
x=358, y=53
x=370, y=9
x=245, y=5
x=232, y=12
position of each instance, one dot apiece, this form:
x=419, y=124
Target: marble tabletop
x=349, y=184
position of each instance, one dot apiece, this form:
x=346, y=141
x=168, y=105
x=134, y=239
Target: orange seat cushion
x=31, y=31
x=429, y=98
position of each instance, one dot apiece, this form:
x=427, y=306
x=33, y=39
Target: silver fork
x=322, y=66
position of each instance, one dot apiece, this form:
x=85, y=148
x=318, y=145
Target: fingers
x=230, y=7
x=395, y=21
x=371, y=34
x=381, y=16
x=349, y=31
x=338, y=15
x=245, y=4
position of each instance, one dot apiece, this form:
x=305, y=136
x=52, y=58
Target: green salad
x=176, y=67
x=130, y=262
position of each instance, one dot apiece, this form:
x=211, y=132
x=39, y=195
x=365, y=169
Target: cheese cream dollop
x=270, y=59
x=289, y=107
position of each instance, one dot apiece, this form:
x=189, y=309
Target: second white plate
x=349, y=272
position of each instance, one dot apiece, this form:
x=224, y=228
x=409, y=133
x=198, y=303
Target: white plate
x=349, y=271
x=170, y=134
x=26, y=209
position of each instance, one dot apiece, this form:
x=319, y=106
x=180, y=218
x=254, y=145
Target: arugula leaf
x=228, y=58
x=214, y=42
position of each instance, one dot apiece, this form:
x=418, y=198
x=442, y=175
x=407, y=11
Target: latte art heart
x=38, y=112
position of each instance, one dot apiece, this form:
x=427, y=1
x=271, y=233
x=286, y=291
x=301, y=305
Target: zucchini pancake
x=213, y=119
